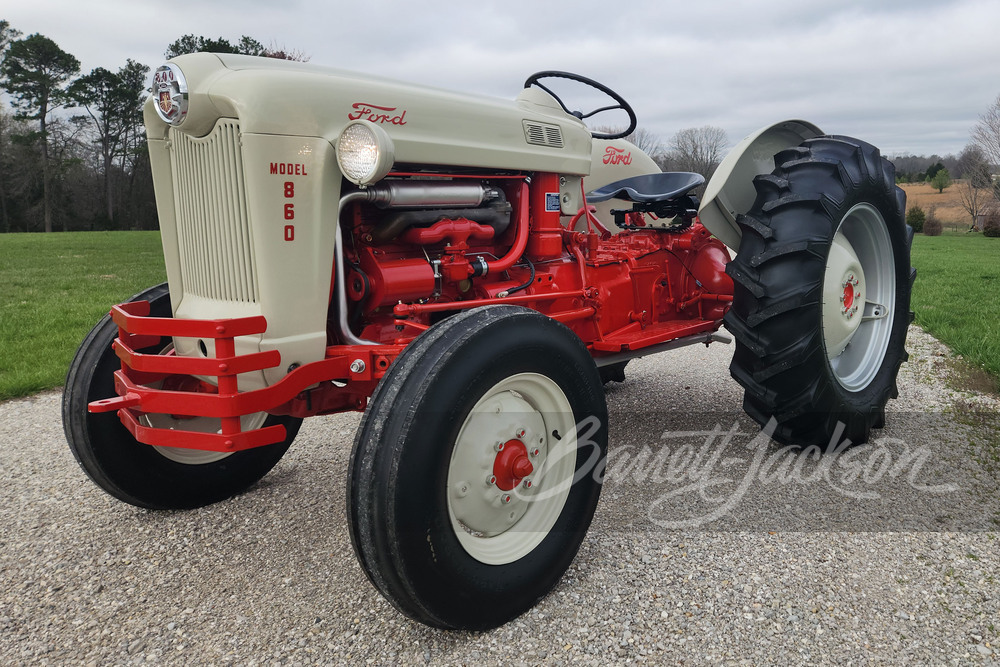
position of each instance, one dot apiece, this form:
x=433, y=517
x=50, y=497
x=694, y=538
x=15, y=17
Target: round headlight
x=364, y=152
x=170, y=92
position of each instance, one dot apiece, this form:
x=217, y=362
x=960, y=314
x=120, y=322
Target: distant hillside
x=947, y=205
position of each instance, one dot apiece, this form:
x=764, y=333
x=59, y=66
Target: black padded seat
x=648, y=187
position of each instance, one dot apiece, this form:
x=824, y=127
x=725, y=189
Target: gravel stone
x=799, y=569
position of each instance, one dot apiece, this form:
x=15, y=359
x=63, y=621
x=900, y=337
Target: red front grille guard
x=304, y=391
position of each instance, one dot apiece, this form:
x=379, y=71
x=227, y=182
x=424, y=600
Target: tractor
x=469, y=273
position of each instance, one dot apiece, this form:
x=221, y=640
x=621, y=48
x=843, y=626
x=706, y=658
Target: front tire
x=822, y=293
x=139, y=474
x=476, y=469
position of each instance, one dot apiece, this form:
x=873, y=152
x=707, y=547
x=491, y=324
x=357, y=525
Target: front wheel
x=143, y=475
x=822, y=293
x=477, y=467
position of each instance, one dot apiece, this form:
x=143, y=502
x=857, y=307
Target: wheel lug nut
x=520, y=433
x=505, y=499
x=535, y=452
x=491, y=480
x=498, y=446
x=527, y=483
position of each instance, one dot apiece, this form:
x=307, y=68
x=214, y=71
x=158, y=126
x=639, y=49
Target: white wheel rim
x=197, y=424
x=859, y=291
x=200, y=425
x=496, y=525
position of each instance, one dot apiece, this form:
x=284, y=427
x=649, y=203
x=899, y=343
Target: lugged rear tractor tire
x=142, y=475
x=439, y=523
x=825, y=241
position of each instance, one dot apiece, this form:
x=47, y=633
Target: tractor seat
x=648, y=188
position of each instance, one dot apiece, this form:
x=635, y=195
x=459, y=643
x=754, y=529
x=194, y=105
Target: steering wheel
x=533, y=80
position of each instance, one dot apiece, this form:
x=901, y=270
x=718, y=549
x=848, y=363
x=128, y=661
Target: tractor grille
x=213, y=220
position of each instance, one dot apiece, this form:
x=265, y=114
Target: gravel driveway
x=708, y=546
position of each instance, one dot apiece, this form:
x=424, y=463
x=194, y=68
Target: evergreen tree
x=35, y=71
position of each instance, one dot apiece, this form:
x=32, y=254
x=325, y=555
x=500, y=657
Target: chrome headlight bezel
x=170, y=94
x=365, y=153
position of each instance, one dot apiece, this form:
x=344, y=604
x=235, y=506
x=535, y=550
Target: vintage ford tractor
x=468, y=272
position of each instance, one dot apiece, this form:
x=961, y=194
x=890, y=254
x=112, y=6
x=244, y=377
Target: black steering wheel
x=533, y=80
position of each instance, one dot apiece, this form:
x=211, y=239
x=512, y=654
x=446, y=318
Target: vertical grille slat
x=213, y=219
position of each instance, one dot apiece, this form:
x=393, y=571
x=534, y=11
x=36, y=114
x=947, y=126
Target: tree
x=35, y=71
x=135, y=154
x=973, y=165
x=98, y=93
x=247, y=46
x=932, y=171
x=986, y=133
x=7, y=34
x=915, y=218
x=114, y=104
x=698, y=149
x=647, y=142
x=974, y=199
x=977, y=185
x=941, y=180
x=192, y=44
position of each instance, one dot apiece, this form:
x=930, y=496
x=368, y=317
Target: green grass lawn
x=957, y=295
x=54, y=288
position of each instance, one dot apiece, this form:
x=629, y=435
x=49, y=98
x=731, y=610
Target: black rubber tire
x=776, y=318
x=134, y=472
x=397, y=497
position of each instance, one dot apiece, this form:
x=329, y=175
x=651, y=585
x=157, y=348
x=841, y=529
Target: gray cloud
x=908, y=76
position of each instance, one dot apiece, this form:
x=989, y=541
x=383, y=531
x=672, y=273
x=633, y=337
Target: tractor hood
x=428, y=126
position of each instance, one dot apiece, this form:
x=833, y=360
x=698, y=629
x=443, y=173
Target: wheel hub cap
x=511, y=465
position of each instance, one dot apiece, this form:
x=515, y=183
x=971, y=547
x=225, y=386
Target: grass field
x=957, y=295
x=947, y=205
x=54, y=288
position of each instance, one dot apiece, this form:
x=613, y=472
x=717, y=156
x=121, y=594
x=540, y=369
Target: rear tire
x=822, y=293
x=446, y=525
x=145, y=476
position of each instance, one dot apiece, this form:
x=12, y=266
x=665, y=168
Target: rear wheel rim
x=859, y=292
x=497, y=525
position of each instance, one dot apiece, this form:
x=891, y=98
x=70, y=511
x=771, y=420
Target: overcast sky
x=910, y=76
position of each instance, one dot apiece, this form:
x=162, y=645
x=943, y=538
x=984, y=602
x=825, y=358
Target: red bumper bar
x=291, y=395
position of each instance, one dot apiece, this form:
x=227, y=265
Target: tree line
x=73, y=152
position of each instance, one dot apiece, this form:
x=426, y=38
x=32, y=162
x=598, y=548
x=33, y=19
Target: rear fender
x=731, y=191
